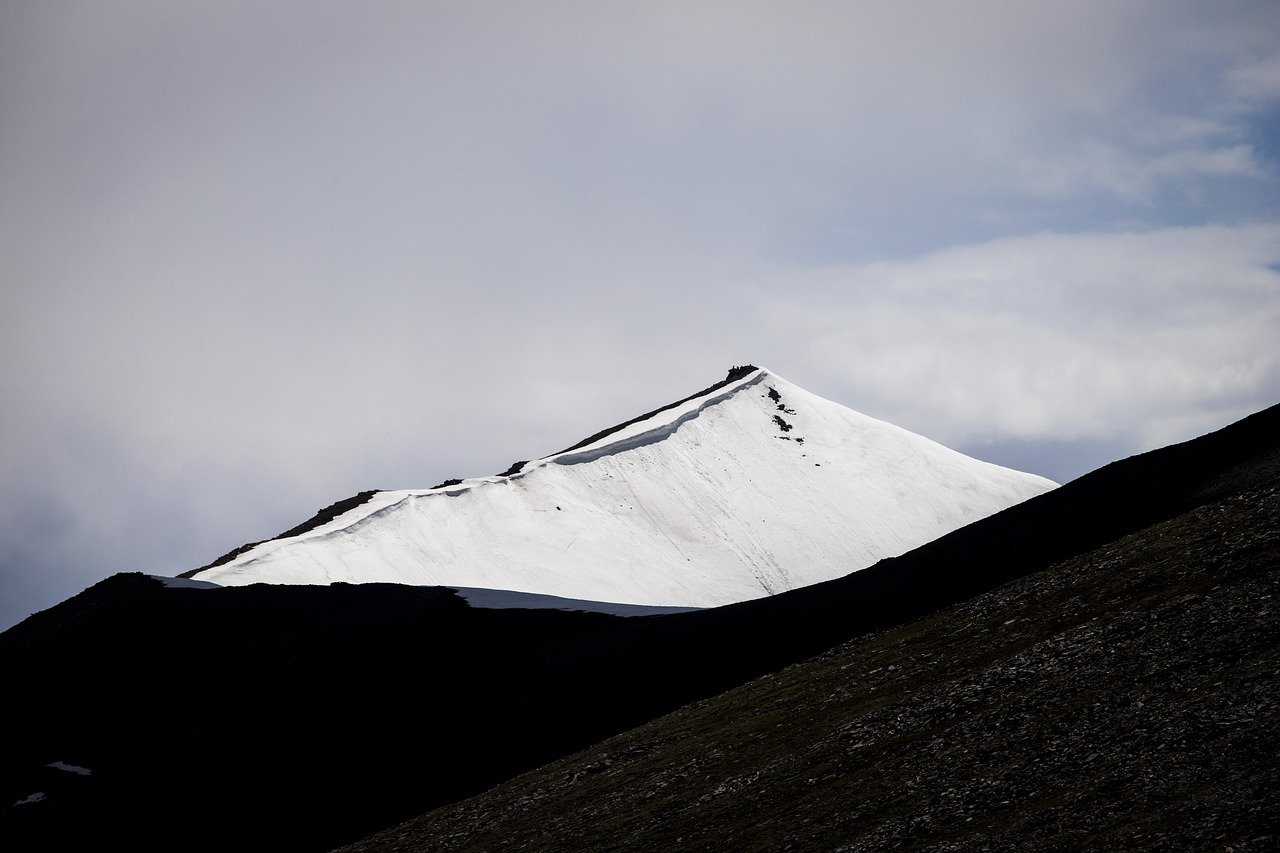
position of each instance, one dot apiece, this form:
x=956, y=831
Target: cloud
x=1111, y=169
x=1144, y=337
x=1258, y=80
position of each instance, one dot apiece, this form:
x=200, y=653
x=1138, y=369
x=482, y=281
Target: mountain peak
x=748, y=487
x=736, y=373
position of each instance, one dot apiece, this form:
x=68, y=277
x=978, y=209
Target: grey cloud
x=1256, y=80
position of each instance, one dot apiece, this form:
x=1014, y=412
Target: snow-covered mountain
x=749, y=488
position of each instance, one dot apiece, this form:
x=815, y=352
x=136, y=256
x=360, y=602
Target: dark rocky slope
x=305, y=717
x=1127, y=698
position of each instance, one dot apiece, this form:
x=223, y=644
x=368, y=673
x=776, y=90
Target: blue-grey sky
x=257, y=257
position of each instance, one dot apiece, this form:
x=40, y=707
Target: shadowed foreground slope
x=1127, y=698
x=303, y=717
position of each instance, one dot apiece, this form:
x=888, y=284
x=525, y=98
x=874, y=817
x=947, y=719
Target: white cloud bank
x=1149, y=336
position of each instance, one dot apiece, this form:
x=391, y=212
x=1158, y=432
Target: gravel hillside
x=1123, y=699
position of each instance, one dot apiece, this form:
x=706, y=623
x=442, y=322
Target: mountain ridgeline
x=750, y=487
x=300, y=717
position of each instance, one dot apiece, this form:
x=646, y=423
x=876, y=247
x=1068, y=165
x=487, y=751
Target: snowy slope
x=753, y=488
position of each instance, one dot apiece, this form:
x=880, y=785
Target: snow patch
x=70, y=768
x=37, y=797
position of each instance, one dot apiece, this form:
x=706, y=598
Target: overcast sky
x=257, y=257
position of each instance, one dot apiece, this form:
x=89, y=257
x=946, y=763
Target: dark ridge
x=738, y=371
x=324, y=516
x=325, y=659
x=1121, y=700
x=447, y=483
x=782, y=424
x=452, y=481
x=515, y=468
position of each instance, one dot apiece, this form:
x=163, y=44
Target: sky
x=255, y=258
